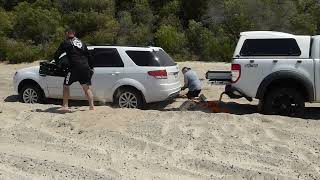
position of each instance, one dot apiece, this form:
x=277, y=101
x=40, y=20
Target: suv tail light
x=160, y=74
x=235, y=72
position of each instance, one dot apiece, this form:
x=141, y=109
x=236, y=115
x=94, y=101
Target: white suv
x=127, y=76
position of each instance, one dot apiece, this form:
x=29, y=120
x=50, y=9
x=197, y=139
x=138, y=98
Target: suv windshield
x=151, y=58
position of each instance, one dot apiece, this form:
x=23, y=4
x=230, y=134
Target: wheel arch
x=129, y=83
x=28, y=82
x=115, y=94
x=31, y=82
x=289, y=79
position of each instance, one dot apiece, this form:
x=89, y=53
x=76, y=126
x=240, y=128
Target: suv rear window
x=151, y=58
x=270, y=47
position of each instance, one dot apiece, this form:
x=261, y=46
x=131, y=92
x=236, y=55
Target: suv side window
x=151, y=58
x=143, y=58
x=270, y=47
x=107, y=57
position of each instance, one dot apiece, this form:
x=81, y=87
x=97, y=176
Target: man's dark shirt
x=77, y=52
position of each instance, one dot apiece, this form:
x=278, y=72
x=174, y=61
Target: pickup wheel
x=129, y=98
x=31, y=94
x=284, y=101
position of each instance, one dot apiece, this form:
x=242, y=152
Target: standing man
x=81, y=69
x=192, y=82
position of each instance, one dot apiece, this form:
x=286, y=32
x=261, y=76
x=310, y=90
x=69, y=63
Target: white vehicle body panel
x=315, y=54
x=255, y=69
x=106, y=80
x=31, y=73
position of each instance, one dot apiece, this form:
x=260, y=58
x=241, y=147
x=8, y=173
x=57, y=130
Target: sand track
x=160, y=143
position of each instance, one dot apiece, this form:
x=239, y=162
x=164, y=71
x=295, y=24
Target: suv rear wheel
x=284, y=101
x=31, y=94
x=129, y=98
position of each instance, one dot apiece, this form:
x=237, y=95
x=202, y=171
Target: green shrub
x=208, y=45
x=35, y=23
x=18, y=52
x=101, y=6
x=141, y=12
x=130, y=33
x=205, y=30
x=86, y=22
x=105, y=35
x=2, y=48
x=170, y=39
x=6, y=22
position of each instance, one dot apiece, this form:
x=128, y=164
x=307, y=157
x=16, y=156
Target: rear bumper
x=173, y=96
x=162, y=92
x=235, y=93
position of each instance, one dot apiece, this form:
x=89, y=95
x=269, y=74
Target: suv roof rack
x=150, y=44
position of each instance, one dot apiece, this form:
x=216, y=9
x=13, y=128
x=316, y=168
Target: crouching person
x=191, y=82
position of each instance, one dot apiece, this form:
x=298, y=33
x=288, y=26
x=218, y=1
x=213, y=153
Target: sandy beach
x=36, y=142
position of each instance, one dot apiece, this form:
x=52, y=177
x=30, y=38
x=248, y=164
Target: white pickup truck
x=281, y=70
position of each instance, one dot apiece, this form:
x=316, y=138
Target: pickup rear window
x=270, y=47
x=151, y=58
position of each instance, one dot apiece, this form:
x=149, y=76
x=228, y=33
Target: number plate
x=222, y=83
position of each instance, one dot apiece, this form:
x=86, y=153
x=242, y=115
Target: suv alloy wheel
x=129, y=98
x=31, y=94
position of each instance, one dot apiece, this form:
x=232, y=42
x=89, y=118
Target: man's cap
x=186, y=68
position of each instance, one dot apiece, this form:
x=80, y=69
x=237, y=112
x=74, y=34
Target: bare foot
x=64, y=110
x=91, y=108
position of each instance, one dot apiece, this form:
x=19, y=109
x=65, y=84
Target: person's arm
x=89, y=56
x=60, y=51
x=185, y=83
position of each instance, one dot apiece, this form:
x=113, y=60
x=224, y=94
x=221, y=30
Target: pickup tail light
x=235, y=72
x=160, y=74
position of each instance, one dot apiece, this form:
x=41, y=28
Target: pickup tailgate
x=219, y=77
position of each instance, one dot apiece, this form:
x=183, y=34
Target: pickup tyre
x=284, y=101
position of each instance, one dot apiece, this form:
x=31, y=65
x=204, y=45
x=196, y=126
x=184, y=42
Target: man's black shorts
x=83, y=76
x=193, y=94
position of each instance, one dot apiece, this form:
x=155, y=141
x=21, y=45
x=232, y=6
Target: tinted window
x=151, y=58
x=107, y=58
x=270, y=47
x=63, y=61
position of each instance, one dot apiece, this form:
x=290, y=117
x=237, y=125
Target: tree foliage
x=205, y=30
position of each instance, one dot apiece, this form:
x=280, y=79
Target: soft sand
x=159, y=143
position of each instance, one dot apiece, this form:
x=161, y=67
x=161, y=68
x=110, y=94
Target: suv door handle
x=275, y=61
x=115, y=73
x=299, y=61
x=251, y=61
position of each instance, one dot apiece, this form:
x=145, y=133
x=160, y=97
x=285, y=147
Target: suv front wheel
x=31, y=94
x=129, y=98
x=284, y=101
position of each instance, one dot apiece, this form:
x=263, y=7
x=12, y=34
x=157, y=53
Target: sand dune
x=161, y=142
